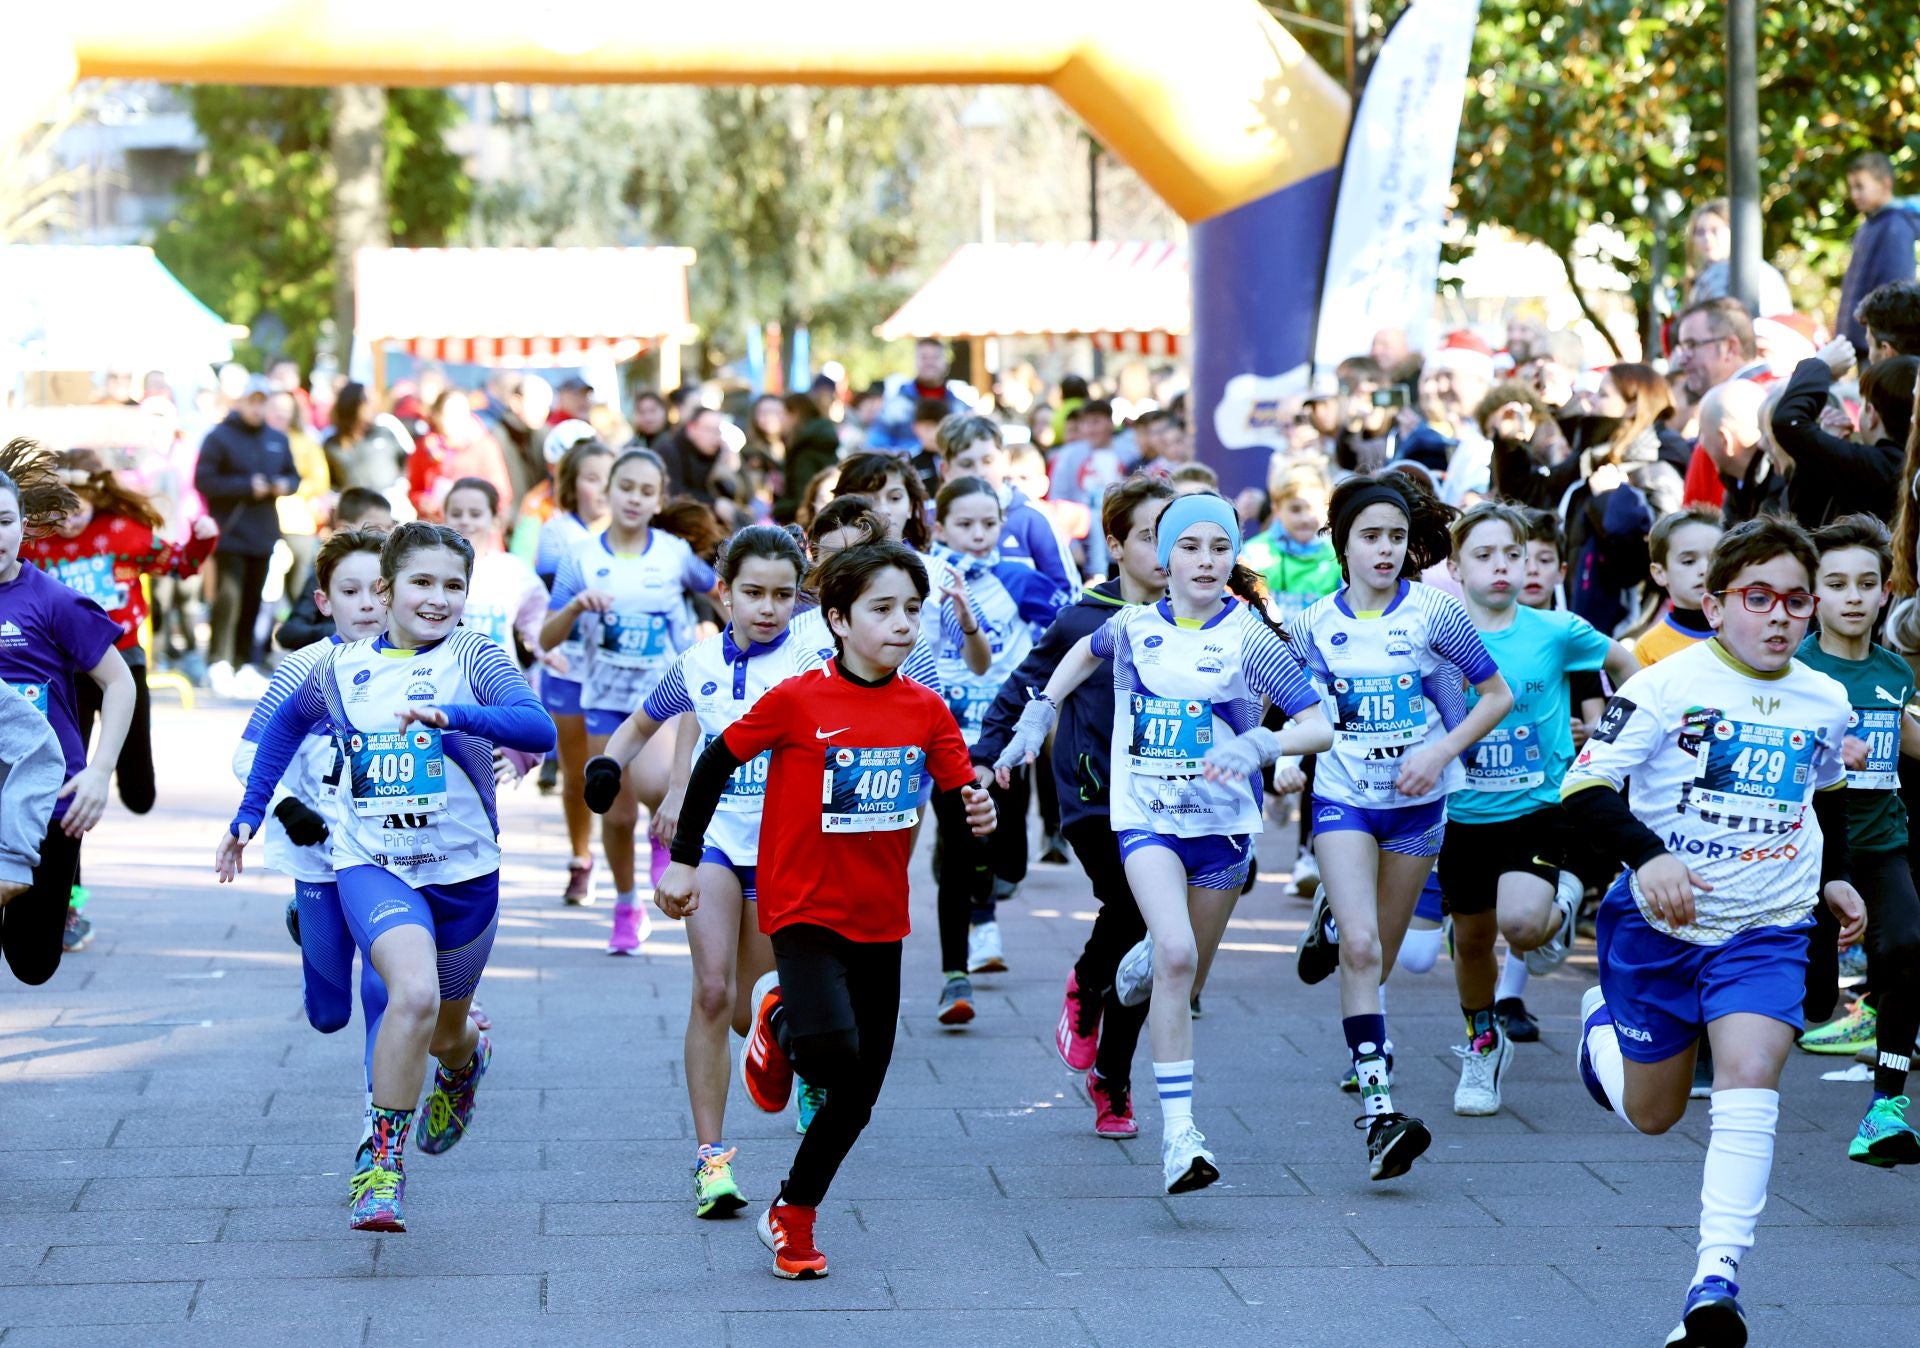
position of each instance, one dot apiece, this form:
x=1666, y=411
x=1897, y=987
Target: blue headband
x=1187, y=511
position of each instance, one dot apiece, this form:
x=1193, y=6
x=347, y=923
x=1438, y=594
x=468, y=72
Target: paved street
x=176, y=1142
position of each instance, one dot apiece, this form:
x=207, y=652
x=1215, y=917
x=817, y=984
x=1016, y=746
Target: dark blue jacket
x=1082, y=743
x=1882, y=252
x=231, y=456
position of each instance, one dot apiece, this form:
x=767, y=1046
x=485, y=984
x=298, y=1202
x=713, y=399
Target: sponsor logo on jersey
x=421, y=692
x=1766, y=706
x=1612, y=721
x=362, y=676
x=1633, y=1032
x=709, y=688
x=425, y=672
x=1150, y=643
x=1339, y=639
x=843, y=757
x=1208, y=664
x=1723, y=730
x=1885, y=696
x=1193, y=708
x=386, y=908
x=603, y=573
x=1399, y=648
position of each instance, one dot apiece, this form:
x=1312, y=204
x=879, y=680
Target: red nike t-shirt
x=843, y=791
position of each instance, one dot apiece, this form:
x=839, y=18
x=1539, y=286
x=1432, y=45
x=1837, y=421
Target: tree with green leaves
x=254, y=236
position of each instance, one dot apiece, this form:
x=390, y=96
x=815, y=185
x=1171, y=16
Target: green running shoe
x=714, y=1192
x=450, y=1104
x=806, y=1103
x=1885, y=1139
x=1848, y=1034
x=378, y=1195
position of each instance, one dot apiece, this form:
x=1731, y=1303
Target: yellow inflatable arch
x=1210, y=101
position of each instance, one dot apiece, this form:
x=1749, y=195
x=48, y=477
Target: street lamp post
x=1743, y=155
x=982, y=121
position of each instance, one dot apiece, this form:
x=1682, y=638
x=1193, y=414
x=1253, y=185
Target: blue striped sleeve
x=505, y=709
x=286, y=730
x=1450, y=634
x=951, y=632
x=696, y=575
x=1274, y=671
x=921, y=666
x=1106, y=636
x=568, y=581
x=669, y=697
x=286, y=681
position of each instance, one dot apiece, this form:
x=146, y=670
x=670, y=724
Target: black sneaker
x=1319, y=953
x=293, y=920
x=1393, y=1141
x=1193, y=1007
x=1516, y=1021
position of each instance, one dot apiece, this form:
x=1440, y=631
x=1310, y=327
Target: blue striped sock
x=1174, y=1082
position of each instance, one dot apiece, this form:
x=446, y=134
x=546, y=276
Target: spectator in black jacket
x=1891, y=317
x=813, y=445
x=696, y=463
x=305, y=623
x=244, y=467
x=1835, y=475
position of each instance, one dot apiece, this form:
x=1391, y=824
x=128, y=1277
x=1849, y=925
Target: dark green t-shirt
x=1878, y=689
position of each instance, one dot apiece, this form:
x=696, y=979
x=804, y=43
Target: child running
x=508, y=602
x=1500, y=863
x=1679, y=547
x=105, y=549
x=987, y=613
x=1189, y=676
x=580, y=487
x=1391, y=654
x=416, y=712
x=849, y=744
x=627, y=590
x=1851, y=581
x=1095, y=1034
x=1724, y=746
x=52, y=636
x=303, y=811
x=719, y=681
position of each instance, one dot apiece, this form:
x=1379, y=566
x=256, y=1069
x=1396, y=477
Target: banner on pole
x=1383, y=258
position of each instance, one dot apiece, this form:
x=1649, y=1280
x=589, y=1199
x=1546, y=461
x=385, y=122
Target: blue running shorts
x=1411, y=830
x=1217, y=861
x=746, y=875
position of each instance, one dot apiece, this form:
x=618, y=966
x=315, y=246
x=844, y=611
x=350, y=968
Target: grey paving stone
x=100, y=1303
x=170, y=1262
x=289, y=1302
x=846, y=1329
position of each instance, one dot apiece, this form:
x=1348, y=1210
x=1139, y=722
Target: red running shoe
x=787, y=1230
x=764, y=1068
x=1112, y=1109
x=1077, y=1034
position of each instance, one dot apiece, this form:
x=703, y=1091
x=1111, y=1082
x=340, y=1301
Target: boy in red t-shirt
x=849, y=744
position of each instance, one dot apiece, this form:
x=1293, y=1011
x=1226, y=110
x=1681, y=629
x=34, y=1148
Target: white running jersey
x=1722, y=763
x=1177, y=692
x=719, y=683
x=813, y=639
x=312, y=778
x=417, y=802
x=629, y=647
x=1008, y=634
x=502, y=590
x=1392, y=683
x=559, y=536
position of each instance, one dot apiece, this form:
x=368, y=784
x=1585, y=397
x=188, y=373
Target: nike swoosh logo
x=1541, y=861
x=829, y=734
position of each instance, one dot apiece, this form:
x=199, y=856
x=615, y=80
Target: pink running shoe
x=1077, y=1034
x=631, y=927
x=1113, y=1110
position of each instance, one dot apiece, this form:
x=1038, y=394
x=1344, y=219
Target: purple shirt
x=48, y=635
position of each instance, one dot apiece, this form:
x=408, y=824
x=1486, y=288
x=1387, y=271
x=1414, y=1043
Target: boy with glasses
x=1737, y=827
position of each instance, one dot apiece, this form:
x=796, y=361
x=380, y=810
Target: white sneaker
x=1544, y=959
x=984, y=955
x=1186, y=1162
x=220, y=678
x=249, y=684
x=1306, y=875
x=1478, y=1094
x=1133, y=980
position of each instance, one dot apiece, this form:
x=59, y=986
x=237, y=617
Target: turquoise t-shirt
x=1518, y=768
x=1878, y=689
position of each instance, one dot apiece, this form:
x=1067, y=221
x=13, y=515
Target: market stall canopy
x=1124, y=296
x=523, y=307
x=82, y=307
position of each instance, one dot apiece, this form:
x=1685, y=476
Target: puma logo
x=1885, y=696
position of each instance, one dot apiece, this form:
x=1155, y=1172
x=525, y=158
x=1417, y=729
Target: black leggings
x=134, y=772
x=839, y=1006
x=237, y=585
x=965, y=868
x=1886, y=883
x=34, y=920
x=1116, y=930
x=1048, y=789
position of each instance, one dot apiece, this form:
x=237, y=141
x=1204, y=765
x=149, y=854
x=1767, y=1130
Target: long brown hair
x=1649, y=400
x=1906, y=519
x=28, y=471
x=93, y=482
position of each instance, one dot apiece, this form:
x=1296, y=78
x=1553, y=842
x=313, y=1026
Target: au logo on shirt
x=1619, y=711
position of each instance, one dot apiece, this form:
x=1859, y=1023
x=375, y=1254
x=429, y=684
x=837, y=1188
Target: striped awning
x=523, y=306
x=1124, y=296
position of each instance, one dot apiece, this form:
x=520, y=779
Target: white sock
x=366, y=1123
x=1513, y=977
x=1603, y=1051
x=1733, y=1184
x=627, y=898
x=1174, y=1082
x=1420, y=950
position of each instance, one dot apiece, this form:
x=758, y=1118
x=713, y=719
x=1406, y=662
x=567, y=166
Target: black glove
x=603, y=783
x=305, y=827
